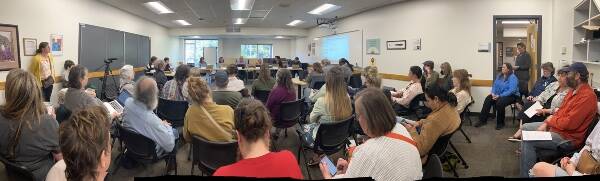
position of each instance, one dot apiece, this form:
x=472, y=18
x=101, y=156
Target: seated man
x=138, y=117
x=222, y=95
x=235, y=84
x=569, y=123
x=414, y=88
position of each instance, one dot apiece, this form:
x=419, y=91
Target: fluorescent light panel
x=324, y=9
x=182, y=22
x=158, y=7
x=239, y=21
x=280, y=37
x=239, y=5
x=516, y=22
x=295, y=22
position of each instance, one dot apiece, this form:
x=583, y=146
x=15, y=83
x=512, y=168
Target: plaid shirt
x=171, y=91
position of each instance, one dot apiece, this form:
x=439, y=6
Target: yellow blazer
x=36, y=67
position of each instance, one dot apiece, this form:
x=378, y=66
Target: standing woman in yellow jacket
x=41, y=68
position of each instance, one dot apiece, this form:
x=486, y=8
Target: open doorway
x=512, y=29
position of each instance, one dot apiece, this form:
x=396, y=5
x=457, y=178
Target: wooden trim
x=474, y=82
x=98, y=74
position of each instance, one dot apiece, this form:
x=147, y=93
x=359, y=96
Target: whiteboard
x=210, y=55
x=355, y=47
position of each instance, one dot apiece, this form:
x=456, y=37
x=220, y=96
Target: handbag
x=48, y=82
x=587, y=163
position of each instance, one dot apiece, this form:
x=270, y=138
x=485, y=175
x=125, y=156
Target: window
x=257, y=51
x=194, y=49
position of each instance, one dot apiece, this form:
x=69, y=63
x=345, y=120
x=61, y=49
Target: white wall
x=40, y=18
x=450, y=31
x=231, y=47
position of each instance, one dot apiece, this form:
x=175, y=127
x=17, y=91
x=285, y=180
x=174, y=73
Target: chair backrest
x=261, y=95
x=289, y=113
x=416, y=101
x=332, y=137
x=355, y=81
x=16, y=170
x=172, y=111
x=316, y=82
x=212, y=155
x=123, y=97
x=62, y=113
x=433, y=168
x=439, y=147
x=138, y=146
x=466, y=111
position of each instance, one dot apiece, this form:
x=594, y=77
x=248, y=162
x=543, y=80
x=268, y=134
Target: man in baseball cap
x=222, y=95
x=568, y=124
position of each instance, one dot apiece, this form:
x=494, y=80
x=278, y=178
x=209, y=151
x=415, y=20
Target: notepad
x=532, y=110
x=536, y=135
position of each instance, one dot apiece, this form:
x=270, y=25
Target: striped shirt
x=385, y=158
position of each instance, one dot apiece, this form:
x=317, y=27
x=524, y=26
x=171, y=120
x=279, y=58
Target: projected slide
x=335, y=47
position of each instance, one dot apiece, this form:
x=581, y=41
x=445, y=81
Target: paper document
x=536, y=135
x=532, y=110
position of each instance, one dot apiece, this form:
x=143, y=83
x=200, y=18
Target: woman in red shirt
x=253, y=123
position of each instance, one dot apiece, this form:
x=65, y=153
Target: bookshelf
x=586, y=36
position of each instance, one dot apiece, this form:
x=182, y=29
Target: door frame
x=539, y=40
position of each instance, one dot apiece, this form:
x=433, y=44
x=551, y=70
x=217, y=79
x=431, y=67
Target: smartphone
x=330, y=166
x=401, y=120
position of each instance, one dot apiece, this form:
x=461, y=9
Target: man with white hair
x=126, y=79
x=138, y=117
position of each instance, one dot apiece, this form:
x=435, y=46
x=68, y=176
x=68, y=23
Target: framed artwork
x=373, y=46
x=9, y=47
x=396, y=45
x=56, y=44
x=29, y=46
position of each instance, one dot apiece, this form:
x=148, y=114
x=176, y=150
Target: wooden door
x=532, y=48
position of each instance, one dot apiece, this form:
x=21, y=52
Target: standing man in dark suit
x=521, y=68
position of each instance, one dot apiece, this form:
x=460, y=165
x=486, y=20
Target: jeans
x=500, y=104
x=528, y=148
x=47, y=92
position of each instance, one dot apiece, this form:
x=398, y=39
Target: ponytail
x=40, y=47
x=452, y=100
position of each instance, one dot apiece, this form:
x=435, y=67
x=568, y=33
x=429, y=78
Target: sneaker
x=480, y=123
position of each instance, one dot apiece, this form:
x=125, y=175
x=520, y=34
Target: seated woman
x=504, y=92
x=283, y=92
x=317, y=71
x=335, y=106
x=85, y=144
x=583, y=163
x=159, y=75
x=389, y=154
x=264, y=82
x=252, y=124
x=77, y=97
x=462, y=89
x=173, y=88
x=28, y=134
x=541, y=84
x=551, y=99
x=126, y=79
x=204, y=117
x=442, y=120
x=445, y=80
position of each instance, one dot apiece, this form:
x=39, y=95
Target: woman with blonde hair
x=28, y=133
x=462, y=89
x=204, y=117
x=445, y=80
x=42, y=69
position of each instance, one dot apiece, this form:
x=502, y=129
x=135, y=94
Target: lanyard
x=401, y=137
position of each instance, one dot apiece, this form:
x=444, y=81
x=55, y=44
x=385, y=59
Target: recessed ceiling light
x=315, y=39
x=158, y=7
x=239, y=21
x=515, y=22
x=280, y=37
x=295, y=22
x=241, y=4
x=182, y=22
x=324, y=9
x=195, y=37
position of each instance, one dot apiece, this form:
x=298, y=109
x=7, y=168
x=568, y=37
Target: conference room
x=299, y=89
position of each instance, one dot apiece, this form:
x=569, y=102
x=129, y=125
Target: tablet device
x=330, y=166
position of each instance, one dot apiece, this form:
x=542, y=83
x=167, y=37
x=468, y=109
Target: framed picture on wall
x=56, y=44
x=396, y=45
x=29, y=46
x=9, y=47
